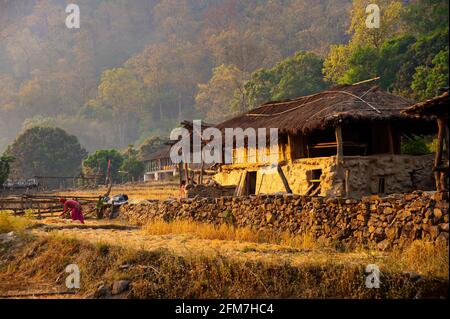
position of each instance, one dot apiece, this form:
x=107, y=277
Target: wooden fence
x=40, y=204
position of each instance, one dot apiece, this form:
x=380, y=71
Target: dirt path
x=15, y=287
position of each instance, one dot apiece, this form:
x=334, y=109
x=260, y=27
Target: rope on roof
x=287, y=111
x=302, y=105
x=357, y=97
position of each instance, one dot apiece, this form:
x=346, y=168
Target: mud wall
x=377, y=223
x=401, y=174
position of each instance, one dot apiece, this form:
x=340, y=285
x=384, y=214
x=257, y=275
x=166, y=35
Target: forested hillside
x=133, y=68
x=136, y=68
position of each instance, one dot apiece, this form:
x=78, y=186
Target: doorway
x=250, y=183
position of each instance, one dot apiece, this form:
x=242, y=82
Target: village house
x=159, y=166
x=344, y=141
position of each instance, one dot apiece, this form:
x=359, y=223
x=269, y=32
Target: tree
x=215, y=99
x=336, y=64
x=243, y=49
x=295, y=76
x=394, y=53
x=299, y=75
x=45, y=151
x=414, y=145
x=121, y=98
x=362, y=65
x=390, y=23
x=407, y=53
x=425, y=16
x=258, y=89
x=97, y=163
x=5, y=162
x=428, y=80
x=132, y=168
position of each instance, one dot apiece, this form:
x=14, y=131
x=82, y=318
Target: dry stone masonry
x=381, y=223
x=213, y=191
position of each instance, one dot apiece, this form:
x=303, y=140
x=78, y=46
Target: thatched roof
x=437, y=106
x=160, y=154
x=344, y=103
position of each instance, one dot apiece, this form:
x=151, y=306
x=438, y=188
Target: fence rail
x=40, y=204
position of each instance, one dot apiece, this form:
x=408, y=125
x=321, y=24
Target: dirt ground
x=118, y=233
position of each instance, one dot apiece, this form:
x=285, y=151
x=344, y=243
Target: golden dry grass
x=10, y=223
x=161, y=191
x=163, y=274
x=229, y=233
x=424, y=258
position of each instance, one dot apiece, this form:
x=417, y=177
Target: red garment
x=75, y=207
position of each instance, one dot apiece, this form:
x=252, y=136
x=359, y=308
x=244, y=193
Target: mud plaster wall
x=402, y=173
x=383, y=223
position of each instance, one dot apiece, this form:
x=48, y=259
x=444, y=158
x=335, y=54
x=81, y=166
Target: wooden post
x=347, y=182
x=289, y=155
x=238, y=187
x=284, y=179
x=438, y=159
x=444, y=175
x=390, y=139
x=180, y=172
x=186, y=173
x=202, y=167
x=340, y=145
x=340, y=156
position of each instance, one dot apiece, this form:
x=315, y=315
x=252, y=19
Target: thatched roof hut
x=436, y=107
x=343, y=104
x=163, y=153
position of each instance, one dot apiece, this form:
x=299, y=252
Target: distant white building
x=159, y=166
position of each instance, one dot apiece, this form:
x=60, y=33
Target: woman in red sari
x=75, y=207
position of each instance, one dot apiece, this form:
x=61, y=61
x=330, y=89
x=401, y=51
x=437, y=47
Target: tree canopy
x=124, y=77
x=295, y=76
x=134, y=67
x=45, y=151
x=97, y=163
x=5, y=162
x=410, y=55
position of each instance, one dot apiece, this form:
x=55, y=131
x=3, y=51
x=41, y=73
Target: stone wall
x=383, y=223
x=401, y=173
x=210, y=191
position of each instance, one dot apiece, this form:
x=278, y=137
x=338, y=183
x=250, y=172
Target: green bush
x=415, y=145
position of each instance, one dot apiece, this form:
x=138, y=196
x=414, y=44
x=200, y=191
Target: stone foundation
x=213, y=191
x=383, y=223
x=401, y=174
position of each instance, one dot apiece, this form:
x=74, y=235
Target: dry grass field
x=162, y=190
x=189, y=260
x=183, y=259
